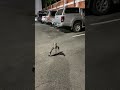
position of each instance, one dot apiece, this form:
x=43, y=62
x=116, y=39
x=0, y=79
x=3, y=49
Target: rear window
x=59, y=12
x=44, y=13
x=72, y=10
x=53, y=13
x=40, y=15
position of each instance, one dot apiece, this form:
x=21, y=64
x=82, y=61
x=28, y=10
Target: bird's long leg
x=58, y=48
x=51, y=50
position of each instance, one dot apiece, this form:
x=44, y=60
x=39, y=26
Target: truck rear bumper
x=59, y=24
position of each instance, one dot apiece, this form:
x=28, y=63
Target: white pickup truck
x=73, y=17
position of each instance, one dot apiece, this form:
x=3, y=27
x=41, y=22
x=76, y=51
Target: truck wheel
x=77, y=26
x=101, y=7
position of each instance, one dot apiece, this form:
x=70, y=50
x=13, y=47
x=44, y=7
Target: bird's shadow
x=59, y=53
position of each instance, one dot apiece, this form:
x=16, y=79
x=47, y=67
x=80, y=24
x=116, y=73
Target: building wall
x=38, y=6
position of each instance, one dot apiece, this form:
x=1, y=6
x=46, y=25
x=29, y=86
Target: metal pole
x=64, y=4
x=74, y=3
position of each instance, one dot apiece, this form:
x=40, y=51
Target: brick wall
x=67, y=3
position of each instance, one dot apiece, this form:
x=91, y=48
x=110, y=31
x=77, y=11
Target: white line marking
x=105, y=22
x=78, y=35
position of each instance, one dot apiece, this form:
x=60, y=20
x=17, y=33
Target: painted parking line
x=109, y=21
x=78, y=35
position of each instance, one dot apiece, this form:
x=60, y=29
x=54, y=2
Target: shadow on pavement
x=68, y=30
x=60, y=53
x=65, y=29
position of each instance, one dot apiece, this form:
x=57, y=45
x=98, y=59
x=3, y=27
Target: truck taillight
x=62, y=19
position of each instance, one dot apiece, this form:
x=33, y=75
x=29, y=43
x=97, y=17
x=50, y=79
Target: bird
x=55, y=47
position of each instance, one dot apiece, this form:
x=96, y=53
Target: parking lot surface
x=60, y=72
x=102, y=52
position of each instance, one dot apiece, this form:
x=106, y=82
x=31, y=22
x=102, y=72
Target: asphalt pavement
x=102, y=52
x=65, y=71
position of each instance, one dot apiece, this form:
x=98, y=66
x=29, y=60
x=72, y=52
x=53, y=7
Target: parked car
x=53, y=22
x=73, y=17
x=43, y=20
x=101, y=7
x=40, y=14
x=50, y=16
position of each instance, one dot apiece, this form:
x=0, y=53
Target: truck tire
x=77, y=27
x=101, y=7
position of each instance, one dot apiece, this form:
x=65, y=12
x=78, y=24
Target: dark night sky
x=21, y=4
x=44, y=1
